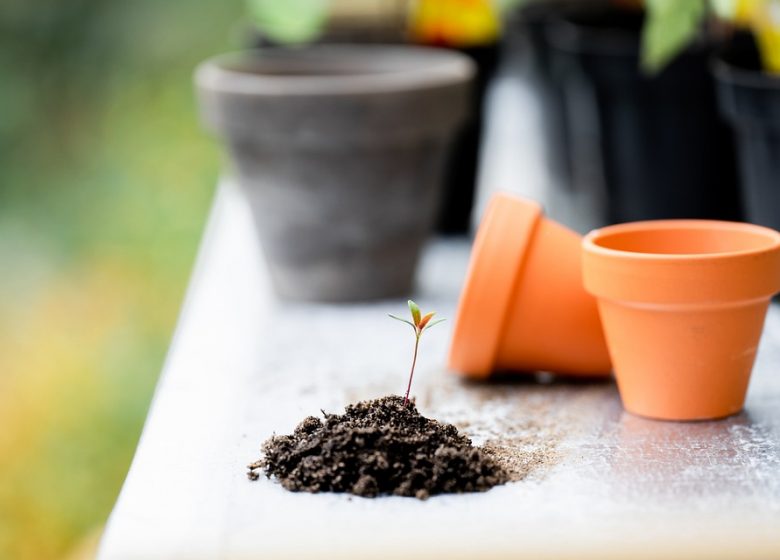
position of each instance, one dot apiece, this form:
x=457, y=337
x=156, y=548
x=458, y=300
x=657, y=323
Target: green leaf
x=404, y=321
x=670, y=26
x=415, y=312
x=399, y=319
x=507, y=6
x=289, y=21
x=724, y=9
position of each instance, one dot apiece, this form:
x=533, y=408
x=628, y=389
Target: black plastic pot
x=461, y=171
x=527, y=45
x=750, y=100
x=663, y=150
x=574, y=194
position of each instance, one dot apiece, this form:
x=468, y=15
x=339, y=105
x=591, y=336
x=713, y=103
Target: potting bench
x=600, y=483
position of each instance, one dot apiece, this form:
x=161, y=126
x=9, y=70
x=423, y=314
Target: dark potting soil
x=379, y=447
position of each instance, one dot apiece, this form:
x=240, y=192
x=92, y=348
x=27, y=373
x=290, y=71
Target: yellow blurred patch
x=763, y=17
x=455, y=23
x=55, y=398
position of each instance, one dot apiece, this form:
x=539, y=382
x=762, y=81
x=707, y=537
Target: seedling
x=420, y=323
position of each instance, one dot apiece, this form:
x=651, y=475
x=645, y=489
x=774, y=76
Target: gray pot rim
x=277, y=72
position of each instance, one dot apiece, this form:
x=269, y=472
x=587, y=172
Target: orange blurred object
x=523, y=307
x=683, y=305
x=454, y=23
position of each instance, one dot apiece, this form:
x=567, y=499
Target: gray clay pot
x=340, y=151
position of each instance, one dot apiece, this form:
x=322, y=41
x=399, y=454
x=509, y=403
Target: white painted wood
x=243, y=366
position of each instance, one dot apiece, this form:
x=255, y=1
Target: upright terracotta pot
x=683, y=305
x=523, y=307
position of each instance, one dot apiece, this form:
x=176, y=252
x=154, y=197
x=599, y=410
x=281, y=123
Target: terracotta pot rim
x=592, y=241
x=510, y=221
x=333, y=70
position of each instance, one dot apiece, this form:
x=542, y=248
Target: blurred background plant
x=673, y=24
x=105, y=181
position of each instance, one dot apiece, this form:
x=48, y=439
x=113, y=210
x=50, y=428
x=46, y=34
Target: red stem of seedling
x=411, y=373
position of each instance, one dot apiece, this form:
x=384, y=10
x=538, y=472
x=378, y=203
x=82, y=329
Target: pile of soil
x=379, y=447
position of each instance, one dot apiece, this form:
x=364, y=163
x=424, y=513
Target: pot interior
x=704, y=239
x=608, y=18
x=742, y=52
x=334, y=61
x=598, y=27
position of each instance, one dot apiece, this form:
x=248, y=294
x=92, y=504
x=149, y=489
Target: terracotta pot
x=683, y=305
x=523, y=307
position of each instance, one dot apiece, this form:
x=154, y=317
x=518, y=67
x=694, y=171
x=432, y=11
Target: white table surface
x=244, y=365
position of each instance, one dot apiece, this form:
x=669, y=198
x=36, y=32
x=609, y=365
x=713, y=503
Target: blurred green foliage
x=291, y=21
x=105, y=181
x=671, y=25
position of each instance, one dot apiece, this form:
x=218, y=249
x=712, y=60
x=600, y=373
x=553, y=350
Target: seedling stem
x=421, y=323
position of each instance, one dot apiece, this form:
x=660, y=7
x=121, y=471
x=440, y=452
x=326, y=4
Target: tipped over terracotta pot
x=523, y=307
x=683, y=305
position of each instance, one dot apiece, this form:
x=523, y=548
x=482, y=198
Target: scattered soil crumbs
x=520, y=464
x=379, y=447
